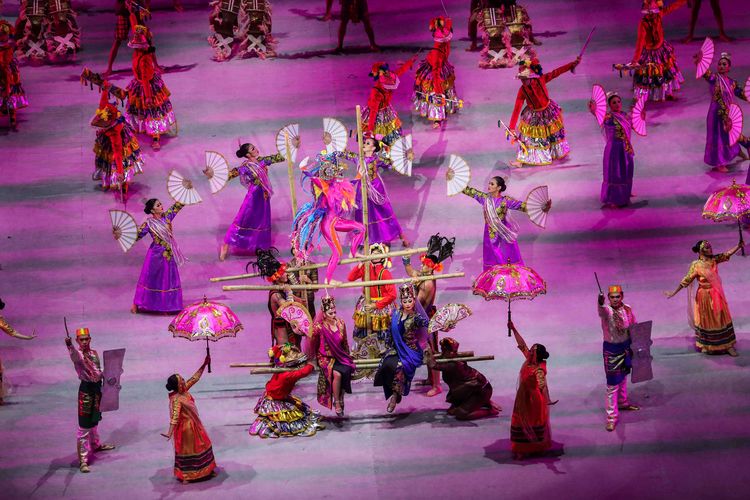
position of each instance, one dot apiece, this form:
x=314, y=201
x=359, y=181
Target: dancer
x=529, y=425
x=617, y=183
x=439, y=249
x=159, y=288
x=7, y=328
x=254, y=30
x=372, y=322
x=149, y=108
x=224, y=26
x=656, y=73
x=469, y=392
x=379, y=117
x=723, y=91
x=193, y=454
x=124, y=10
x=617, y=318
x=280, y=414
x=435, y=81
x=331, y=348
x=695, y=6
x=251, y=228
x=475, y=15
x=409, y=334
x=541, y=132
x=61, y=31
x=117, y=154
x=354, y=11
x=12, y=95
x=506, y=33
x=500, y=230
x=327, y=214
x=87, y=365
x=709, y=317
x=29, y=31
x=382, y=224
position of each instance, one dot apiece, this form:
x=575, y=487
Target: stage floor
x=58, y=259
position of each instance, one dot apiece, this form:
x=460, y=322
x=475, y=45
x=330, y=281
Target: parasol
x=181, y=189
x=458, y=175
x=599, y=98
x=705, y=56
x=124, y=229
x=297, y=316
x=402, y=155
x=735, y=124
x=638, y=116
x=334, y=135
x=205, y=320
x=292, y=130
x=447, y=316
x=729, y=204
x=538, y=205
x=217, y=171
x=509, y=282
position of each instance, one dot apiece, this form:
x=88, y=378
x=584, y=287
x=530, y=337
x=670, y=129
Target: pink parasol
x=729, y=204
x=509, y=282
x=205, y=320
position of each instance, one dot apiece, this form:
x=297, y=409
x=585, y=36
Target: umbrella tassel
x=208, y=353
x=508, y=318
x=742, y=240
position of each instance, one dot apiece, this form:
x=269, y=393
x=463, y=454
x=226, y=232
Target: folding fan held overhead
x=446, y=318
x=217, y=171
x=638, y=116
x=458, y=175
x=335, y=135
x=292, y=131
x=402, y=155
x=181, y=189
x=297, y=316
x=705, y=57
x=735, y=124
x=124, y=229
x=538, y=205
x=599, y=98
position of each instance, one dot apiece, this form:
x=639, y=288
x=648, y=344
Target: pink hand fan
x=638, y=116
x=735, y=118
x=706, y=57
x=599, y=97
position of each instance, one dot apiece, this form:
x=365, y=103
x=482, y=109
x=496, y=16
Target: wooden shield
x=640, y=335
x=111, y=379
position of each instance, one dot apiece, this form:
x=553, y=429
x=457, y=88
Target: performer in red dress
x=12, y=95
x=123, y=11
x=379, y=117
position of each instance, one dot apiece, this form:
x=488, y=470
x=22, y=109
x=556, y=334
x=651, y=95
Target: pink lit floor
x=690, y=440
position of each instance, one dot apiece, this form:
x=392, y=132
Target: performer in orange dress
x=12, y=95
x=193, y=455
x=379, y=117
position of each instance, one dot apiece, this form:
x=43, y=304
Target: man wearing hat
x=86, y=362
x=617, y=318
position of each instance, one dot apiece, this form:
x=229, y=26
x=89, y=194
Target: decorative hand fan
x=458, y=175
x=705, y=57
x=599, y=97
x=446, y=317
x=638, y=116
x=735, y=118
x=304, y=162
x=402, y=155
x=538, y=205
x=292, y=131
x=124, y=229
x=335, y=135
x=217, y=171
x=181, y=189
x=297, y=316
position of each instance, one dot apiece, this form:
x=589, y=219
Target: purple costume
x=618, y=159
x=251, y=228
x=723, y=90
x=159, y=287
x=382, y=223
x=500, y=231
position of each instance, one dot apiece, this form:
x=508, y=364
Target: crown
x=82, y=333
x=328, y=303
x=615, y=289
x=406, y=291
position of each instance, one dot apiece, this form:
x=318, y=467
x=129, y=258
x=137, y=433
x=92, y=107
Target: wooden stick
x=290, y=173
x=396, y=281
x=350, y=284
x=437, y=360
x=263, y=371
x=308, y=267
x=373, y=360
x=311, y=286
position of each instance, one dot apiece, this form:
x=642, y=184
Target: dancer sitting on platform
x=469, y=392
x=279, y=413
x=193, y=454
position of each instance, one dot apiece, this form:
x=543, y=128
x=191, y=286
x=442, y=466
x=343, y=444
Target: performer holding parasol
x=708, y=311
x=12, y=95
x=379, y=116
x=617, y=183
x=7, y=328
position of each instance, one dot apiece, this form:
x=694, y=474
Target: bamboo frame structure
x=350, y=284
x=263, y=371
x=269, y=365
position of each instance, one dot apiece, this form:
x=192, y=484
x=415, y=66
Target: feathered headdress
x=267, y=264
x=439, y=248
x=376, y=68
x=529, y=68
x=286, y=355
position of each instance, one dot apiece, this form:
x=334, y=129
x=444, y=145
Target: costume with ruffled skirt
x=149, y=108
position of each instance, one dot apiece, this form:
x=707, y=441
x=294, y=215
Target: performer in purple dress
x=500, y=230
x=159, y=288
x=382, y=223
x=723, y=91
x=617, y=184
x=251, y=228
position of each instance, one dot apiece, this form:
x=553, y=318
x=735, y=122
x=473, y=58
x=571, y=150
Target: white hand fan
x=304, y=162
x=705, y=57
x=446, y=318
x=458, y=175
x=402, y=155
x=638, y=116
x=599, y=97
x=335, y=135
x=181, y=189
x=124, y=229
x=217, y=171
x=292, y=130
x=538, y=205
x=735, y=117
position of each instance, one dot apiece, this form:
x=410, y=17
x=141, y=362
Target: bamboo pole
x=263, y=371
x=397, y=281
x=290, y=173
x=308, y=267
x=374, y=360
x=311, y=286
x=351, y=284
x=365, y=217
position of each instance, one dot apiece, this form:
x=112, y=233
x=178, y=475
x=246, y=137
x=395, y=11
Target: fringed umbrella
x=729, y=204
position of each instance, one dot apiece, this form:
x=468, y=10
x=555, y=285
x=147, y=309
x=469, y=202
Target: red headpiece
x=377, y=67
